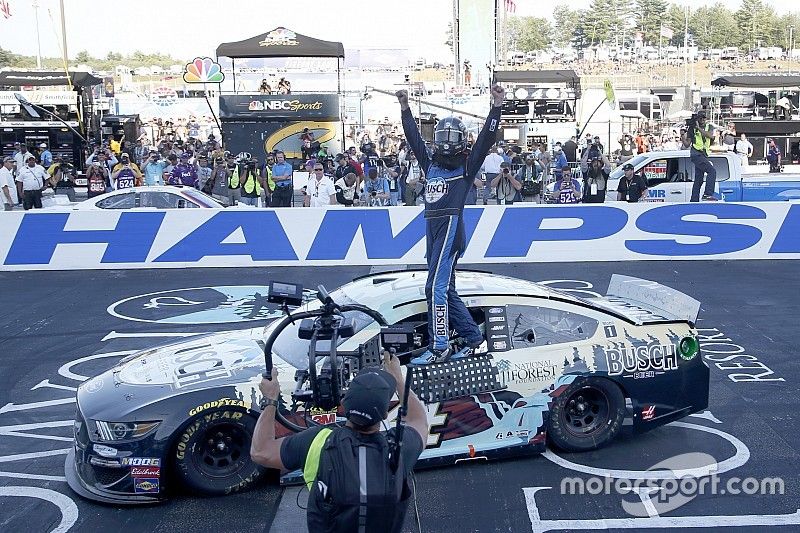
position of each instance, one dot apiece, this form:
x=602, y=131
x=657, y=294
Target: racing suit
x=445, y=194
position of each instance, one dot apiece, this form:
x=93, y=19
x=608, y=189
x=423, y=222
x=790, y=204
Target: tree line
x=107, y=63
x=616, y=23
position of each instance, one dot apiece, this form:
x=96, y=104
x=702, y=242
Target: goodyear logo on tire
x=222, y=402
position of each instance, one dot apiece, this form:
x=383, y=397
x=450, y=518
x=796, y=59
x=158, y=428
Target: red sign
x=145, y=471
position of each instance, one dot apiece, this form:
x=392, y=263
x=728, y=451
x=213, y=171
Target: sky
x=194, y=28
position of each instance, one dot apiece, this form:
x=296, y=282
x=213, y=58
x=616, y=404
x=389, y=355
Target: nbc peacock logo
x=203, y=70
x=280, y=37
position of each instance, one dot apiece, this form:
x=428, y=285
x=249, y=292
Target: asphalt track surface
x=748, y=308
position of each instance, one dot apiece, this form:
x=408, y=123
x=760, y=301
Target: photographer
x=102, y=157
x=347, y=470
x=346, y=190
x=219, y=175
x=62, y=178
x=530, y=178
x=506, y=186
x=595, y=175
x=391, y=174
x=700, y=135
x=126, y=174
x=153, y=169
x=414, y=179
x=184, y=173
x=376, y=190
x=247, y=172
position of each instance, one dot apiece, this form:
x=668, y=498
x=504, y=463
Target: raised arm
x=488, y=134
x=411, y=131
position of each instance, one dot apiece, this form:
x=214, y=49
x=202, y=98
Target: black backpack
x=347, y=463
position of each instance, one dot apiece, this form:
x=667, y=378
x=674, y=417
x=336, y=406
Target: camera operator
x=62, y=178
x=596, y=169
x=567, y=190
x=248, y=175
x=219, y=175
x=632, y=187
x=506, y=186
x=700, y=135
x=348, y=470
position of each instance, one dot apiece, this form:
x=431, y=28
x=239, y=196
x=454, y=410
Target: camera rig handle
x=289, y=318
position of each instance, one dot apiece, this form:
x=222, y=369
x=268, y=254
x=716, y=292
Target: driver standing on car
x=450, y=175
x=352, y=486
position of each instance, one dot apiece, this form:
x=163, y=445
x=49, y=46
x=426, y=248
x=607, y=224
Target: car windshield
x=201, y=198
x=294, y=350
x=636, y=162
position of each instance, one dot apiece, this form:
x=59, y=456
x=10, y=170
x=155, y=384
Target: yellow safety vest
x=252, y=184
x=270, y=182
x=701, y=143
x=233, y=179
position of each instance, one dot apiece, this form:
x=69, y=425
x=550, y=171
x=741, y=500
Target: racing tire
x=586, y=416
x=212, y=453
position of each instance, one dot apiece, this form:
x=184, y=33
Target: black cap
x=627, y=166
x=366, y=402
x=701, y=114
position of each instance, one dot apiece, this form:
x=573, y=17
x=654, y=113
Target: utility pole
x=63, y=33
x=456, y=49
x=38, y=39
x=686, y=47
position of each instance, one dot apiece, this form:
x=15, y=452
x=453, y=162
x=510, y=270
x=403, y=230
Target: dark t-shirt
x=633, y=192
x=295, y=447
x=570, y=149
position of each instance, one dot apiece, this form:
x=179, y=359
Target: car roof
x=377, y=290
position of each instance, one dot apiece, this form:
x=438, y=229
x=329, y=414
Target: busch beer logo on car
x=435, y=189
x=528, y=372
x=641, y=361
x=141, y=461
x=440, y=318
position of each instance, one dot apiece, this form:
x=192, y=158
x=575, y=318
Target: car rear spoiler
x=647, y=302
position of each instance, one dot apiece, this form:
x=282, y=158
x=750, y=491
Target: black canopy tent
x=18, y=78
x=568, y=78
x=757, y=80
x=282, y=42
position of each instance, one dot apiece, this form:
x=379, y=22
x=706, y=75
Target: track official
x=450, y=174
x=352, y=486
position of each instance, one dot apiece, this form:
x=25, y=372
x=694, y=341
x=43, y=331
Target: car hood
x=231, y=362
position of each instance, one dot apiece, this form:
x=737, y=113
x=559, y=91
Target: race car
x=555, y=368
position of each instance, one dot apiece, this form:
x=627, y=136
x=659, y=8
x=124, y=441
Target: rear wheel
x=212, y=455
x=587, y=416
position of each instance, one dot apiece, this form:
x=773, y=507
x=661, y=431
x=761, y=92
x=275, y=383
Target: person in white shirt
x=320, y=191
x=7, y=185
x=21, y=155
x=30, y=182
x=745, y=149
x=491, y=168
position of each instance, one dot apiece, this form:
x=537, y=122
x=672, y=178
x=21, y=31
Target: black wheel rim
x=586, y=411
x=223, y=450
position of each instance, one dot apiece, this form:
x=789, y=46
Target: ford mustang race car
x=555, y=368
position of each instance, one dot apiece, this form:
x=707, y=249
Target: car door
x=665, y=181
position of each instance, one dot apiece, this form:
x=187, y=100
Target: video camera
x=328, y=374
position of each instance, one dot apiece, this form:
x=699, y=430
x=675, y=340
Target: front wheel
x=212, y=455
x=587, y=416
